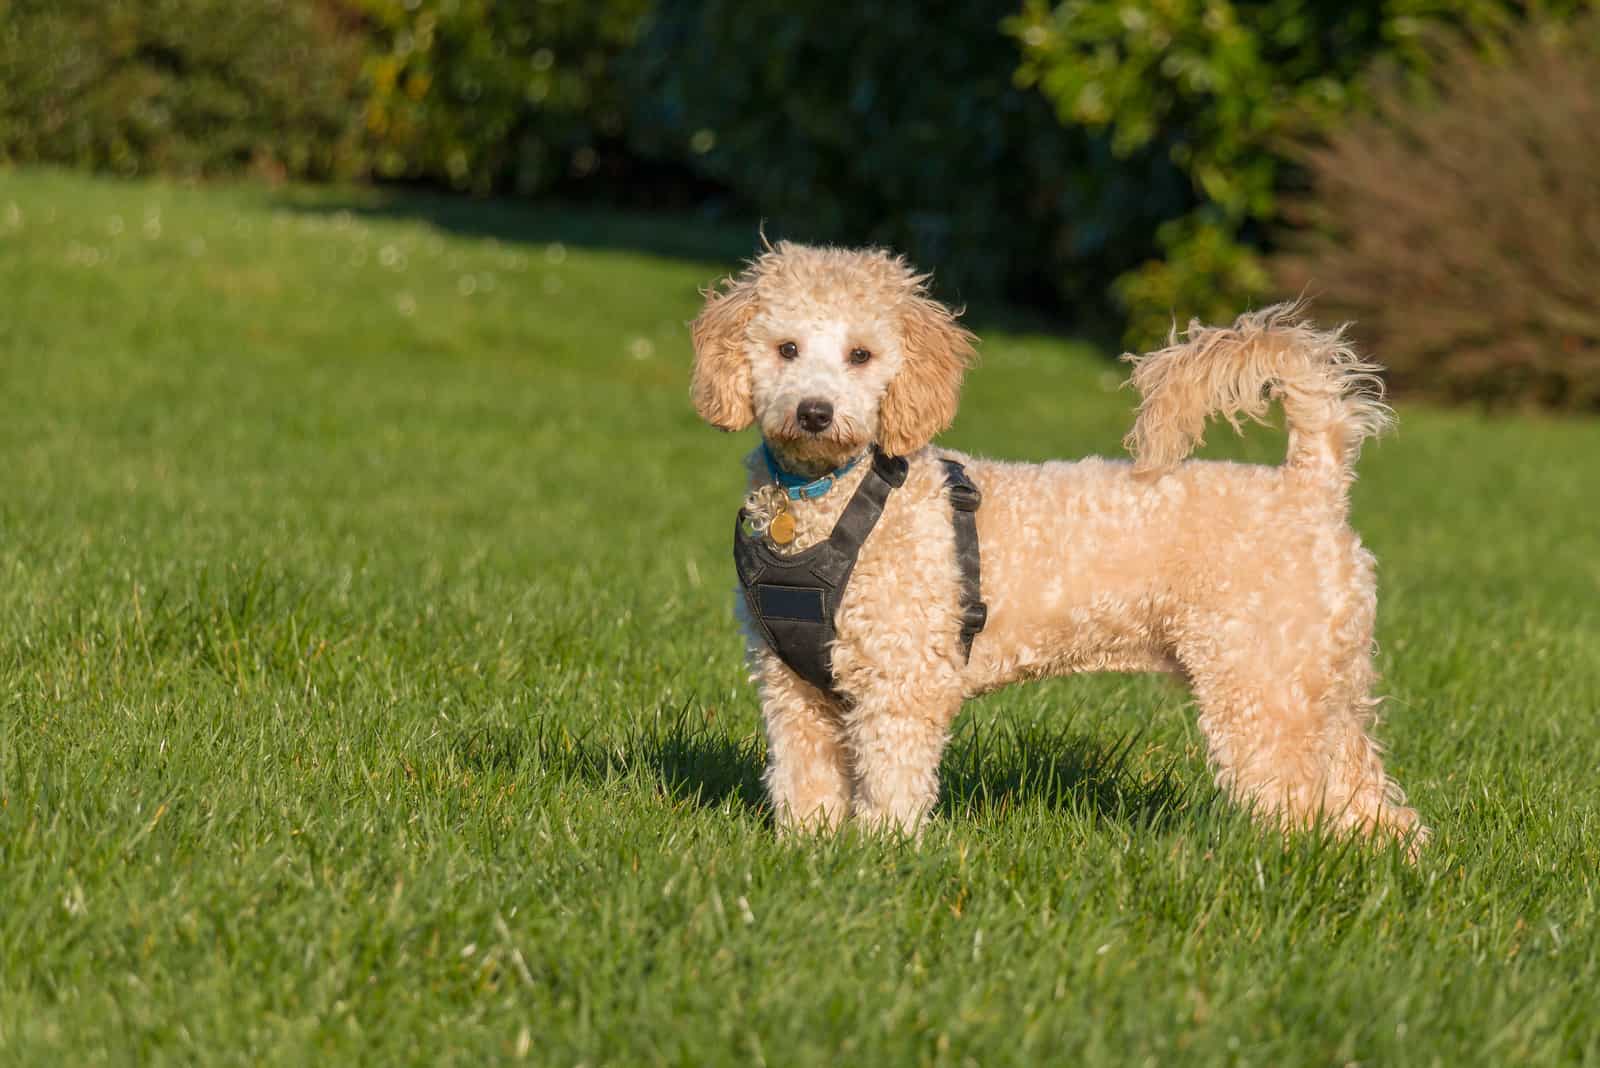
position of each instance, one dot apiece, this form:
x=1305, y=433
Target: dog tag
x=781, y=530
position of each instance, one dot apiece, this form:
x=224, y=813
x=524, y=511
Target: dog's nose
x=814, y=415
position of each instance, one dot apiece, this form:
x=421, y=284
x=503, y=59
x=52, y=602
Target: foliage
x=1205, y=271
x=1217, y=90
x=1460, y=227
x=885, y=121
x=370, y=694
x=498, y=96
x=180, y=86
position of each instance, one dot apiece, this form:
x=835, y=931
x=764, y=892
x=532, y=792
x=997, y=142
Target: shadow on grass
x=988, y=771
x=714, y=237
x=698, y=762
x=992, y=769
x=688, y=235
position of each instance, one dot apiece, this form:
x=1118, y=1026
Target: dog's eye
x=788, y=350
x=859, y=356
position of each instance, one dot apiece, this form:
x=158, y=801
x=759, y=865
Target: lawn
x=369, y=691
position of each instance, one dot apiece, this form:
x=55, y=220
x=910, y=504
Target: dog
x=1244, y=580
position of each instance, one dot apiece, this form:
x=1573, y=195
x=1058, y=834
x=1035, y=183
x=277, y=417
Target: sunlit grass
x=369, y=690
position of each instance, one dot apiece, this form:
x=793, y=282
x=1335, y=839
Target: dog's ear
x=720, y=385
x=922, y=398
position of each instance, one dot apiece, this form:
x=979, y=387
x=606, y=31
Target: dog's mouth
x=816, y=451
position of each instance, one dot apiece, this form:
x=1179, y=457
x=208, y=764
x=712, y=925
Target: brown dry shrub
x=1459, y=227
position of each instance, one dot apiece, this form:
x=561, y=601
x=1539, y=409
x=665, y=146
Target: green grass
x=369, y=691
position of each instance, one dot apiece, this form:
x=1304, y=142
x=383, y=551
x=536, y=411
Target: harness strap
x=861, y=514
x=964, y=500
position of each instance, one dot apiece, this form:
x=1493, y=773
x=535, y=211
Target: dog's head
x=828, y=350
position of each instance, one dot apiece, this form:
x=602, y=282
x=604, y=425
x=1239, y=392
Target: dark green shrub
x=1460, y=226
x=181, y=86
x=1217, y=91
x=485, y=95
x=889, y=121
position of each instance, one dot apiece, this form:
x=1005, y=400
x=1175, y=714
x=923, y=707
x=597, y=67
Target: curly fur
x=1244, y=580
x=1333, y=399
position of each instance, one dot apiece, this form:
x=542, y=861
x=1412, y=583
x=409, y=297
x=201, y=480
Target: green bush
x=487, y=96
x=180, y=86
x=1460, y=225
x=1217, y=91
x=889, y=121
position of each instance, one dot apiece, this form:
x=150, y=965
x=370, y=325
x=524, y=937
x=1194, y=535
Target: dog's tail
x=1332, y=398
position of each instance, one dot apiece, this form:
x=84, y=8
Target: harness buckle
x=964, y=496
x=813, y=490
x=974, y=617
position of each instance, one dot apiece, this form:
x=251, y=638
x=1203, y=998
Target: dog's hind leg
x=1357, y=793
x=808, y=771
x=1287, y=724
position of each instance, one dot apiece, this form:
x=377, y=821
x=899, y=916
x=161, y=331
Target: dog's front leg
x=896, y=737
x=808, y=773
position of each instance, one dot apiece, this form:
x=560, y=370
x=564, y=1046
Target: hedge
x=888, y=121
x=493, y=96
x=181, y=86
x=1222, y=92
x=1460, y=226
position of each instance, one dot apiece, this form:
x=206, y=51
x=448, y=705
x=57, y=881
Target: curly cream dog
x=1245, y=580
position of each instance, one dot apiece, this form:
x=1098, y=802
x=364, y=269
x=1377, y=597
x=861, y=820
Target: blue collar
x=798, y=487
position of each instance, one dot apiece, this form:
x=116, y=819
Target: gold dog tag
x=781, y=530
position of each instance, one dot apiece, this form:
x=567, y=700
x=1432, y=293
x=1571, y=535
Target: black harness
x=793, y=598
